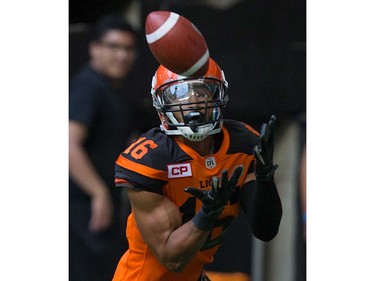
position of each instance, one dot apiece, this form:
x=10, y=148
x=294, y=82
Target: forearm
x=83, y=172
x=266, y=210
x=160, y=222
x=182, y=244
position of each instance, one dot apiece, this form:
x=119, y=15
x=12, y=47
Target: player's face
x=114, y=55
x=192, y=96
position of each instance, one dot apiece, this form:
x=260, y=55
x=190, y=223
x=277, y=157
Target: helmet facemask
x=191, y=107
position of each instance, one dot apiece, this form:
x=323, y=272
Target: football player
x=188, y=179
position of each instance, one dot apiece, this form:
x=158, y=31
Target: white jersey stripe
x=163, y=29
x=197, y=65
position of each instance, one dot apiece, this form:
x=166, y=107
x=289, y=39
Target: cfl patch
x=179, y=170
x=210, y=162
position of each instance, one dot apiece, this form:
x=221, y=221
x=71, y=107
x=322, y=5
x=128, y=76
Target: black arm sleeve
x=262, y=206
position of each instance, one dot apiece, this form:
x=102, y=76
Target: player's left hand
x=215, y=199
x=263, y=152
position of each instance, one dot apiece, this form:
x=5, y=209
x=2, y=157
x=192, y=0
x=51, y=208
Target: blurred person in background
x=99, y=127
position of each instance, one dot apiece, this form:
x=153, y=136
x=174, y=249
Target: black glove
x=263, y=152
x=215, y=199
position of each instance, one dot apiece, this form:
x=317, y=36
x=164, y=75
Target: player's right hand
x=215, y=199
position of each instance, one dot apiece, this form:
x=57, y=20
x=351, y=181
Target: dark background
x=260, y=45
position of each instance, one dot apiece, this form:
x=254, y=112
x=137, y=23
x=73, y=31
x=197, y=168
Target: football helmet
x=191, y=107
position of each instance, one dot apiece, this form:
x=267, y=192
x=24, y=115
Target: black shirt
x=106, y=110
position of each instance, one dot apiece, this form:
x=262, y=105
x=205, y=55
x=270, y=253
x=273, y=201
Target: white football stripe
x=197, y=65
x=163, y=29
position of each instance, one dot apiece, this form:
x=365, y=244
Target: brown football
x=177, y=44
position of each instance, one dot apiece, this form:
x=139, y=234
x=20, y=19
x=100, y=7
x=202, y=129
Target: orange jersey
x=159, y=163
